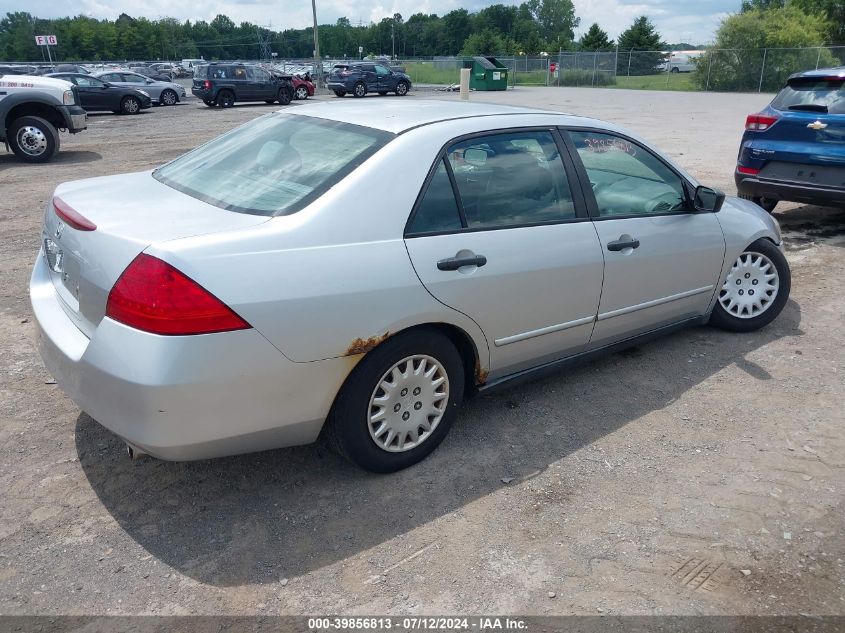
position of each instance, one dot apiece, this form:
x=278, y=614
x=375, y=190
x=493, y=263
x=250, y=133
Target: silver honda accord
x=357, y=270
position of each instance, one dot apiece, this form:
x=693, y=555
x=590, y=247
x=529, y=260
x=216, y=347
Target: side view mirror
x=707, y=199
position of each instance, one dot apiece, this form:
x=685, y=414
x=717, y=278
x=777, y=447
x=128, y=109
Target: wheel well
x=42, y=110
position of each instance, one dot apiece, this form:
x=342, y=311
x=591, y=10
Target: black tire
x=767, y=204
x=226, y=98
x=301, y=93
x=723, y=319
x=402, y=88
x=33, y=139
x=359, y=90
x=347, y=427
x=285, y=96
x=340, y=93
x=168, y=97
x=130, y=105
x=676, y=70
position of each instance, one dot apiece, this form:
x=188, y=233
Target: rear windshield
x=816, y=94
x=273, y=165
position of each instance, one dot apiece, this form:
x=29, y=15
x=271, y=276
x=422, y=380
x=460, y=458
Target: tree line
x=530, y=28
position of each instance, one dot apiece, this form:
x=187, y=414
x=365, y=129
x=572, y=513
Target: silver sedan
x=357, y=271
x=161, y=92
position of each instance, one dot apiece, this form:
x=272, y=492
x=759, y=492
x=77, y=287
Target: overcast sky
x=691, y=21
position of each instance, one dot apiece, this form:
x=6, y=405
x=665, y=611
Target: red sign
x=552, y=67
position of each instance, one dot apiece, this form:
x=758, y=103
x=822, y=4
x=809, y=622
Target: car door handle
x=453, y=263
x=620, y=244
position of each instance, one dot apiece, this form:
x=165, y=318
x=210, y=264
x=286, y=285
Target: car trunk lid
x=130, y=212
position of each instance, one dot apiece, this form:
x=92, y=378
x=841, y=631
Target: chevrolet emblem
x=817, y=125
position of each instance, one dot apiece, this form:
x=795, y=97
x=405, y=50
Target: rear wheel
x=401, y=88
x=359, y=90
x=33, y=139
x=399, y=402
x=755, y=290
x=168, y=97
x=768, y=204
x=226, y=99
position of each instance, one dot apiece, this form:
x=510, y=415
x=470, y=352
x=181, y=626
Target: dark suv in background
x=794, y=149
x=359, y=78
x=224, y=84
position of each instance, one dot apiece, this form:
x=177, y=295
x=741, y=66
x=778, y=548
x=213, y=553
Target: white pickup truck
x=33, y=110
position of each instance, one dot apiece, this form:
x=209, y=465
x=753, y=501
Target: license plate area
x=805, y=174
x=64, y=271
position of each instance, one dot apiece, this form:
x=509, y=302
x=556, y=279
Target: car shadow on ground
x=282, y=513
x=64, y=157
x=809, y=223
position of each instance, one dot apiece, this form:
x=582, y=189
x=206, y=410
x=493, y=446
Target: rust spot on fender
x=364, y=345
x=480, y=374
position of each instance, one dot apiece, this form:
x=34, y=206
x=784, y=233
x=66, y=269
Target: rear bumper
x=337, y=85
x=793, y=192
x=201, y=93
x=184, y=397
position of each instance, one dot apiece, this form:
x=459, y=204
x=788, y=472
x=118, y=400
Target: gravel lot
x=700, y=474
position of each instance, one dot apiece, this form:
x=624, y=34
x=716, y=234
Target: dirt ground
x=700, y=474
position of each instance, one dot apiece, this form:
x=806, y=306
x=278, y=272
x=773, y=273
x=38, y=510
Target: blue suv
x=795, y=148
x=359, y=78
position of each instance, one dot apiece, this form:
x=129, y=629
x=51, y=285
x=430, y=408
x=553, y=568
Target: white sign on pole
x=46, y=40
x=360, y=49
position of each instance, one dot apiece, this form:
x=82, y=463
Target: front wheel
x=33, y=139
x=285, y=96
x=755, y=290
x=130, y=105
x=359, y=90
x=402, y=89
x=399, y=402
x=168, y=97
x=302, y=93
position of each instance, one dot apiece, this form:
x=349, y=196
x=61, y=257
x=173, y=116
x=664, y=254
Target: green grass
x=428, y=73
x=663, y=81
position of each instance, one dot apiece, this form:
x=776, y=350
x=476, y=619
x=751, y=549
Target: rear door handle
x=618, y=245
x=453, y=263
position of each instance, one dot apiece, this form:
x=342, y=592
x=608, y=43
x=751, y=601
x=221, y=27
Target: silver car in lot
x=161, y=92
x=357, y=270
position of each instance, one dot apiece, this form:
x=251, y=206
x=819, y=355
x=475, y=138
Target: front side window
x=259, y=74
x=239, y=73
x=274, y=165
x=511, y=179
x=626, y=179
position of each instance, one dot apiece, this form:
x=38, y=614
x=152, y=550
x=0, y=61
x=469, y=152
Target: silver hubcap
x=408, y=403
x=359, y=90
x=402, y=89
x=301, y=93
x=169, y=98
x=131, y=106
x=751, y=286
x=32, y=140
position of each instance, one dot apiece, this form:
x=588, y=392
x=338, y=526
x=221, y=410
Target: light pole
x=318, y=65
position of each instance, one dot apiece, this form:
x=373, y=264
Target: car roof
x=398, y=115
x=838, y=71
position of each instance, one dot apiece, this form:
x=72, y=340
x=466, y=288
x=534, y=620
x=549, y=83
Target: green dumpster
x=487, y=73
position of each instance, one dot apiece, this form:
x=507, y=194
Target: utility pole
x=318, y=64
x=393, y=38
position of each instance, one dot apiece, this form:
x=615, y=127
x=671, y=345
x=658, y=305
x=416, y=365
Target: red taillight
x=759, y=122
x=748, y=171
x=206, y=85
x=72, y=217
x=153, y=296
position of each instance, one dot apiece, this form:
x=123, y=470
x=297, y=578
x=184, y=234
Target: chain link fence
x=724, y=70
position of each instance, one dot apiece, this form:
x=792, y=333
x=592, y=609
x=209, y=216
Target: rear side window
x=438, y=210
x=201, y=72
x=219, y=72
x=273, y=165
x=813, y=94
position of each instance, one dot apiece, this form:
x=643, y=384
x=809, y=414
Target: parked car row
x=122, y=92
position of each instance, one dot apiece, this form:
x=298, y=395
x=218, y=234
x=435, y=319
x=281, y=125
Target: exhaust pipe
x=134, y=452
